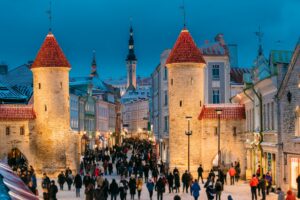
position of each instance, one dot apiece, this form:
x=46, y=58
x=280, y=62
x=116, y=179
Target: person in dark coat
x=53, y=191
x=69, y=180
x=298, y=185
x=170, y=179
x=209, y=190
x=177, y=182
x=77, y=184
x=89, y=192
x=218, y=189
x=114, y=190
x=45, y=186
x=262, y=185
x=185, y=181
x=61, y=179
x=200, y=173
x=105, y=188
x=87, y=179
x=132, y=187
x=160, y=188
x=99, y=193
x=123, y=187
x=110, y=168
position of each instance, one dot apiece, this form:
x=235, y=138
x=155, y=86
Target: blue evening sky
x=81, y=26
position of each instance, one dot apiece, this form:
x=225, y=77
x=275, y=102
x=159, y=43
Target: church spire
x=131, y=55
x=259, y=35
x=94, y=66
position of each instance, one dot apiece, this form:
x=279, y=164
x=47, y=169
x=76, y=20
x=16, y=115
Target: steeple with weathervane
x=131, y=63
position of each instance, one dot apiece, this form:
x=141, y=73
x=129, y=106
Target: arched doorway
x=84, y=144
x=16, y=159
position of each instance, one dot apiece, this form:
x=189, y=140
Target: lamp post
x=219, y=112
x=188, y=133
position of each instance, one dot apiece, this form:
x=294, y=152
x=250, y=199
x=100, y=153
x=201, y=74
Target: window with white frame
x=216, y=96
x=216, y=72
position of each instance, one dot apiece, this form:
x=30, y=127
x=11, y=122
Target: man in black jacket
x=160, y=188
x=200, y=172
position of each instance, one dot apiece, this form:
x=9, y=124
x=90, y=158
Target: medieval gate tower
x=55, y=149
x=186, y=67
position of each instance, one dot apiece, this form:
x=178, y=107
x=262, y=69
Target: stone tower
x=131, y=63
x=186, y=67
x=51, y=105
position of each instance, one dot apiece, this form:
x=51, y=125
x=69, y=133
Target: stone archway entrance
x=16, y=159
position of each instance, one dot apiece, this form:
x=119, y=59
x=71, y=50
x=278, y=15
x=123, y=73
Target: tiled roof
x=50, y=54
x=185, y=50
x=237, y=74
x=229, y=111
x=16, y=112
x=214, y=49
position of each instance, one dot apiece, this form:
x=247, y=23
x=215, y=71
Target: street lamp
x=219, y=112
x=188, y=133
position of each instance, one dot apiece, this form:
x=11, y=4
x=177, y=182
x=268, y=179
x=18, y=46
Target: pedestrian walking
x=290, y=195
x=69, y=180
x=237, y=170
x=229, y=197
x=170, y=179
x=185, y=181
x=89, y=192
x=150, y=187
x=98, y=193
x=160, y=188
x=298, y=186
x=45, y=186
x=268, y=182
x=196, y=189
x=53, y=191
x=218, y=189
x=113, y=190
x=280, y=194
x=123, y=187
x=232, y=173
x=77, y=184
x=209, y=190
x=132, y=187
x=176, y=197
x=262, y=185
x=200, y=173
x=177, y=181
x=61, y=179
x=139, y=186
x=253, y=186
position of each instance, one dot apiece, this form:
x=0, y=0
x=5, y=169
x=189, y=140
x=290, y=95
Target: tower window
x=45, y=107
x=216, y=96
x=234, y=131
x=216, y=72
x=200, y=103
x=7, y=130
x=192, y=80
x=60, y=85
x=22, y=130
x=171, y=81
x=216, y=130
x=40, y=85
x=180, y=103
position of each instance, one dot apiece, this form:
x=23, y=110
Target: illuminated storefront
x=295, y=171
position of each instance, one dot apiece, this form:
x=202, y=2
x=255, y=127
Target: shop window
x=295, y=171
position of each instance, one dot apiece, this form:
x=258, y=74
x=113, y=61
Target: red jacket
x=254, y=182
x=290, y=195
x=232, y=171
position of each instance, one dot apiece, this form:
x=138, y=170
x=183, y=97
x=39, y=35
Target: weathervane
x=184, y=13
x=49, y=12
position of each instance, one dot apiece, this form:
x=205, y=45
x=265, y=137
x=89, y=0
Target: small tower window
x=22, y=130
x=200, y=103
x=234, y=131
x=216, y=130
x=171, y=81
x=40, y=85
x=60, y=85
x=180, y=103
x=45, y=107
x=192, y=80
x=7, y=130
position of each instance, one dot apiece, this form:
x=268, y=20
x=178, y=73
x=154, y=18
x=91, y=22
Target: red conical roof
x=50, y=54
x=185, y=50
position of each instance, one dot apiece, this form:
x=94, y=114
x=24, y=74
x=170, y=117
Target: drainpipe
x=260, y=129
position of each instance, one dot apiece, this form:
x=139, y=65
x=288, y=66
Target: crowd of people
x=135, y=163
